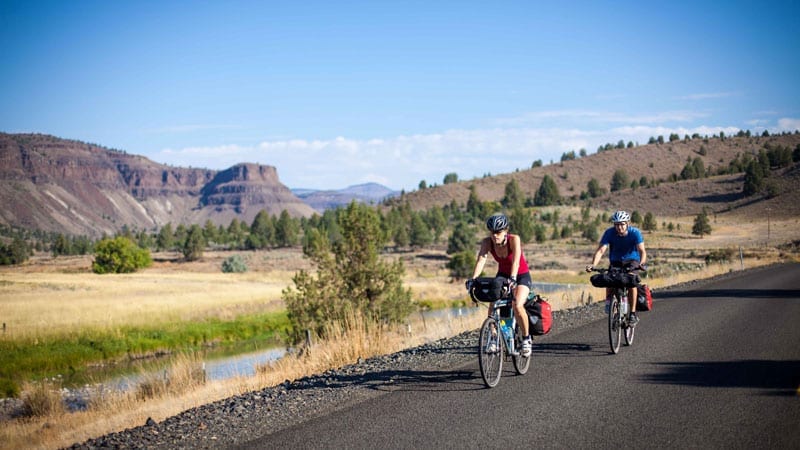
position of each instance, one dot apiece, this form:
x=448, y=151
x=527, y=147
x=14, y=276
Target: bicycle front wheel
x=521, y=363
x=614, y=326
x=629, y=331
x=490, y=353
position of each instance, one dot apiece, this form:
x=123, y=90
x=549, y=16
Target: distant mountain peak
x=320, y=200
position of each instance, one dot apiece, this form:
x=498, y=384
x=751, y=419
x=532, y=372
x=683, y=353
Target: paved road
x=717, y=366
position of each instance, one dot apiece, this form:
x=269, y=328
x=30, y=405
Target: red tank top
x=506, y=263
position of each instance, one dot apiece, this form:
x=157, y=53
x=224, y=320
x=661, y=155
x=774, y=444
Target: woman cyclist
x=506, y=249
x=627, y=250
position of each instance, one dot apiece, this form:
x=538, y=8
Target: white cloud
x=402, y=162
x=788, y=124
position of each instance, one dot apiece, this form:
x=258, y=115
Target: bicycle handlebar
x=629, y=269
x=506, y=294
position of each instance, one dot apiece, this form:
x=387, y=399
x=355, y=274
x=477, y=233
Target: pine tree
x=461, y=239
x=287, y=230
x=513, y=195
x=351, y=279
x=164, y=240
x=194, y=244
x=547, y=194
x=701, y=226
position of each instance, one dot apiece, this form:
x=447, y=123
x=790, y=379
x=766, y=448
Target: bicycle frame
x=618, y=315
x=499, y=340
x=508, y=325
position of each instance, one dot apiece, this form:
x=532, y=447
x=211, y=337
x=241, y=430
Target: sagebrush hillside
x=661, y=164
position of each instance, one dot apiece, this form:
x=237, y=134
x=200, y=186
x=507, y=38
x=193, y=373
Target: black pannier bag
x=489, y=289
x=614, y=279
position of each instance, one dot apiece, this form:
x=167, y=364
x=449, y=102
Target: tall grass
x=48, y=356
x=182, y=386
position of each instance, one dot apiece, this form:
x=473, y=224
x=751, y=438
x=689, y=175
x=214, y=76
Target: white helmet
x=620, y=216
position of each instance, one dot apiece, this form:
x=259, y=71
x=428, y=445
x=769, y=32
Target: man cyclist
x=627, y=251
x=506, y=249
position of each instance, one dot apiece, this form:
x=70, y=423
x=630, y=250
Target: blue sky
x=335, y=94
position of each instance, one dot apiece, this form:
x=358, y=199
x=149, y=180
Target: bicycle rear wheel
x=521, y=363
x=490, y=353
x=614, y=326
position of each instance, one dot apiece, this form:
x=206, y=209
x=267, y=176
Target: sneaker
x=492, y=346
x=632, y=319
x=527, y=347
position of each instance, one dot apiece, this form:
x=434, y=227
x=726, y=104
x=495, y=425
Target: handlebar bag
x=488, y=289
x=614, y=279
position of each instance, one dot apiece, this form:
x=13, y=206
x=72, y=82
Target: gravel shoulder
x=240, y=419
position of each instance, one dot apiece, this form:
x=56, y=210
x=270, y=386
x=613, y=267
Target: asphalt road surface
x=716, y=366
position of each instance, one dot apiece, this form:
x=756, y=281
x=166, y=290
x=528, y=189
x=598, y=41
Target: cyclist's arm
x=483, y=253
x=642, y=253
x=601, y=249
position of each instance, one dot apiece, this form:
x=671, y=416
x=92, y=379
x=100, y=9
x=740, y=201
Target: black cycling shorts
x=522, y=278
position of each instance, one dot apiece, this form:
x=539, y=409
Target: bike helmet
x=497, y=222
x=620, y=216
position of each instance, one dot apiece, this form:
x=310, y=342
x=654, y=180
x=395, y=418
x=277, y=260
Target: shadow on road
x=394, y=380
x=775, y=377
x=562, y=349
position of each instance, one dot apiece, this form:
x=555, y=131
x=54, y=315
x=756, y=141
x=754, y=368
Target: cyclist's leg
x=520, y=296
x=632, y=293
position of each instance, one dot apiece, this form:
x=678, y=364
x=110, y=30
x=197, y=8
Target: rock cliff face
x=52, y=184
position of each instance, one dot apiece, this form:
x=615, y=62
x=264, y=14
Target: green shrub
x=119, y=255
x=234, y=264
x=8, y=388
x=720, y=256
x=350, y=277
x=461, y=264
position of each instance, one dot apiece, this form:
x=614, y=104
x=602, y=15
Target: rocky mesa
x=59, y=185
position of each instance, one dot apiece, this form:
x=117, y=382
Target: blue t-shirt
x=623, y=248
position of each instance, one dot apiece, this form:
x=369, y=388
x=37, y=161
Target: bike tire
x=614, y=326
x=629, y=333
x=491, y=363
x=521, y=363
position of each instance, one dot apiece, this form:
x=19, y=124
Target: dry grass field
x=60, y=295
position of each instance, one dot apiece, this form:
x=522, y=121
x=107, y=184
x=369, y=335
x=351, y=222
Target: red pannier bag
x=540, y=315
x=644, y=300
